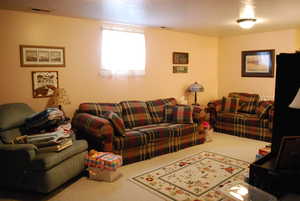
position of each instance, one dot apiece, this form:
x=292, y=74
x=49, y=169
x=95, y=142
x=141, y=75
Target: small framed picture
x=42, y=56
x=258, y=63
x=44, y=83
x=180, y=58
x=180, y=69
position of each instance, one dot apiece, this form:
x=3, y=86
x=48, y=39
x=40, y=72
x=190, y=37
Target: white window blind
x=122, y=53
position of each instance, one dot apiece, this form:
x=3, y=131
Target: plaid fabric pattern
x=230, y=104
x=248, y=102
x=116, y=121
x=183, y=138
x=99, y=108
x=103, y=160
x=168, y=111
x=243, y=125
x=182, y=114
x=156, y=109
x=98, y=127
x=135, y=113
x=199, y=115
x=263, y=108
x=170, y=101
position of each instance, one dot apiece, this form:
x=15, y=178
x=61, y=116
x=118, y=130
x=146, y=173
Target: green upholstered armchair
x=23, y=167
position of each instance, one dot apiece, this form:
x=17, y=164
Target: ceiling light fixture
x=246, y=23
x=247, y=15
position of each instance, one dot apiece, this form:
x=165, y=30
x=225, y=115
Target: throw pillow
x=230, y=104
x=116, y=121
x=263, y=109
x=182, y=114
x=156, y=109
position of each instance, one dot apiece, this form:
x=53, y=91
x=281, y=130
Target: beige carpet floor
x=124, y=190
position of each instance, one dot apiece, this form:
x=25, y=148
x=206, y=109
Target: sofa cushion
x=13, y=115
x=241, y=118
x=263, y=108
x=156, y=109
x=230, y=104
x=47, y=160
x=248, y=102
x=135, y=113
x=116, y=121
x=168, y=113
x=132, y=138
x=182, y=114
x=100, y=108
x=170, y=101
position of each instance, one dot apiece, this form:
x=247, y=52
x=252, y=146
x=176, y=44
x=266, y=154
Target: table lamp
x=296, y=102
x=59, y=98
x=196, y=88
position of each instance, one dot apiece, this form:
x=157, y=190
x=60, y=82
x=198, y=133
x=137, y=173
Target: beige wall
x=229, y=74
x=80, y=78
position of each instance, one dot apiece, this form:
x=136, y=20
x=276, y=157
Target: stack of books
x=263, y=151
x=49, y=142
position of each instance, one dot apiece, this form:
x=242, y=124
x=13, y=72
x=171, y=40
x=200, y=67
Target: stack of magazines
x=48, y=142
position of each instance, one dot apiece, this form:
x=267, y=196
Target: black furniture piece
x=264, y=173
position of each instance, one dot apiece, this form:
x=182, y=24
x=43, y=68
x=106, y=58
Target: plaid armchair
x=250, y=117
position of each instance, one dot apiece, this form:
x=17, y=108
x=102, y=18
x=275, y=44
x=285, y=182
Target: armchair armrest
x=95, y=127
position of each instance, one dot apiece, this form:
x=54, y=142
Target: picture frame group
x=42, y=56
x=258, y=63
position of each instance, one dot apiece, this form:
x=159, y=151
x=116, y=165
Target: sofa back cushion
x=230, y=104
x=157, y=108
x=99, y=109
x=135, y=113
x=248, y=102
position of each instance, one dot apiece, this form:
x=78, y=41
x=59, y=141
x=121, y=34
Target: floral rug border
x=165, y=196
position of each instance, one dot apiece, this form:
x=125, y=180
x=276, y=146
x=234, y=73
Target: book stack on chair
x=49, y=142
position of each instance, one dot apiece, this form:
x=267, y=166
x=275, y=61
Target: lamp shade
x=296, y=102
x=196, y=87
x=60, y=97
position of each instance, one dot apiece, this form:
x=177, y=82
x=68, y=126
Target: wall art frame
x=44, y=83
x=42, y=56
x=180, y=58
x=258, y=63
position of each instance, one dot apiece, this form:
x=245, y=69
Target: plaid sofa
x=147, y=133
x=253, y=121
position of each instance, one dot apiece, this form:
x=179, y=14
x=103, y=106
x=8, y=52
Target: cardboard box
x=103, y=175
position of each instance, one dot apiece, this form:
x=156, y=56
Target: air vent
x=40, y=10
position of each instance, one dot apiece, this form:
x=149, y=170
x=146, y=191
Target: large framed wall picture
x=258, y=63
x=42, y=56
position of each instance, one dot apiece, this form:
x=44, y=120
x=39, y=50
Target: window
x=123, y=53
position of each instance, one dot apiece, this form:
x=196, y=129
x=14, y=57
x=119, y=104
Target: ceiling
x=206, y=17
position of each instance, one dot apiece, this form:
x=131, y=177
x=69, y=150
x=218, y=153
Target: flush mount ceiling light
x=247, y=15
x=246, y=23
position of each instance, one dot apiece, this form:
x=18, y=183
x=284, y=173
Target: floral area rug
x=194, y=178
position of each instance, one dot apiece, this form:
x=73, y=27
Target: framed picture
x=258, y=63
x=44, y=83
x=180, y=58
x=180, y=69
x=42, y=56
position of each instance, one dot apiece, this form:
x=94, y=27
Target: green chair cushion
x=8, y=136
x=46, y=160
x=13, y=115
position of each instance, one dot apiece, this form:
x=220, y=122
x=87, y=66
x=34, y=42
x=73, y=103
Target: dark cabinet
x=263, y=173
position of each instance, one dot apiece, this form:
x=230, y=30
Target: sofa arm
x=213, y=107
x=199, y=114
x=96, y=127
